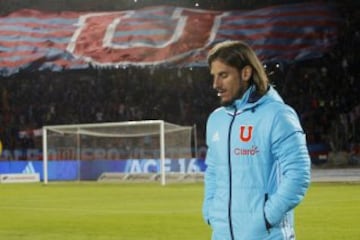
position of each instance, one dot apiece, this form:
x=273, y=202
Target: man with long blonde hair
x=258, y=165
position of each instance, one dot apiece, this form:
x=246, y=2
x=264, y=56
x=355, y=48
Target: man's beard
x=239, y=95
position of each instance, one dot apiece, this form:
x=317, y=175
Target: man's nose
x=216, y=83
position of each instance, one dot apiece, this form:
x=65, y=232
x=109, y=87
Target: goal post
x=122, y=147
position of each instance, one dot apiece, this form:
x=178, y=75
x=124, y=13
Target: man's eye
x=223, y=75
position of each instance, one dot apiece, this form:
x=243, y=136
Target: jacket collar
x=251, y=99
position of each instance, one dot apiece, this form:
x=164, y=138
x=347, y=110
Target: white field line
x=100, y=211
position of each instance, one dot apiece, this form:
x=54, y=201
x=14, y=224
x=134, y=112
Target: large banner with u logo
x=164, y=35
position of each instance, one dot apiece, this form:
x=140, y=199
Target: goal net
x=114, y=150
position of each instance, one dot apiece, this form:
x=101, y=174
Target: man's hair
x=238, y=54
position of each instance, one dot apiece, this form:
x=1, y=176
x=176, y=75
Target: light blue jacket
x=258, y=166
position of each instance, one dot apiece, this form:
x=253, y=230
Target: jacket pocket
x=267, y=224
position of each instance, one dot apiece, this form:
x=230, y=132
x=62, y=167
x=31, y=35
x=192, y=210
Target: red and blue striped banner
x=164, y=35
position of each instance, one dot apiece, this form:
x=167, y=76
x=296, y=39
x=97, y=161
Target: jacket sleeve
x=209, y=179
x=290, y=151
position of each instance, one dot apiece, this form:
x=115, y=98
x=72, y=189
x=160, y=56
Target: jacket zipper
x=230, y=174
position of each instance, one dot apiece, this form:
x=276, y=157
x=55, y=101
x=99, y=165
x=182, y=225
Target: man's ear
x=246, y=73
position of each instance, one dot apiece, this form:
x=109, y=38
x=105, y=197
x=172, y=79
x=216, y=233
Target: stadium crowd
x=324, y=92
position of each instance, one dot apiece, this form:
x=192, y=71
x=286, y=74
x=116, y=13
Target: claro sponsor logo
x=246, y=151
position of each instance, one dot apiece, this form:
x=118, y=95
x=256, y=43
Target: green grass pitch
x=99, y=211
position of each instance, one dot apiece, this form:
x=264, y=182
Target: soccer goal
x=117, y=150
